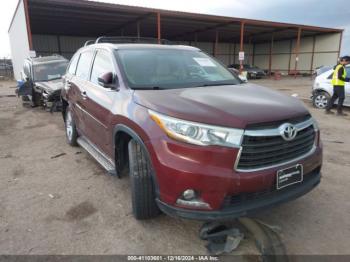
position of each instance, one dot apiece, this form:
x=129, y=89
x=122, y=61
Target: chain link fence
x=6, y=69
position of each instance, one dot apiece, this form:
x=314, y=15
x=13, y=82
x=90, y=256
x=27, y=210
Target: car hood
x=50, y=86
x=231, y=106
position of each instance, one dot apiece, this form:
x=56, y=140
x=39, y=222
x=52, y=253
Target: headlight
x=196, y=133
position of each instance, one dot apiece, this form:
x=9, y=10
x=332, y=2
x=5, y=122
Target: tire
x=143, y=195
x=36, y=99
x=71, y=131
x=25, y=99
x=321, y=99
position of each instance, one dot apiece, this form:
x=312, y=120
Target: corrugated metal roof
x=89, y=18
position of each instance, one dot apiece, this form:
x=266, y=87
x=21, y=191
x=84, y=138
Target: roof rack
x=131, y=39
x=89, y=42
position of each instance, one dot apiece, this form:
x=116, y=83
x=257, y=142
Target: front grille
x=245, y=198
x=264, y=151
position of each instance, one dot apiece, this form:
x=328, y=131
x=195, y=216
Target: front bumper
x=251, y=206
x=210, y=172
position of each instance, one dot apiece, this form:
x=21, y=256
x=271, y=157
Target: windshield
x=166, y=69
x=49, y=71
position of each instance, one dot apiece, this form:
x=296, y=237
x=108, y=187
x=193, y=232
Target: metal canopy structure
x=88, y=18
x=81, y=18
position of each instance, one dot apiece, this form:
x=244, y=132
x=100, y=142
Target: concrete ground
x=55, y=199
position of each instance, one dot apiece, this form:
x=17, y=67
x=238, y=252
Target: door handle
x=83, y=94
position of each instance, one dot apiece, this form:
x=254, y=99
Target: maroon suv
x=196, y=142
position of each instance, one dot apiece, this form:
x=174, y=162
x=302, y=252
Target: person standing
x=338, y=81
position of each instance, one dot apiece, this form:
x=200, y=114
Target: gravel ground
x=55, y=199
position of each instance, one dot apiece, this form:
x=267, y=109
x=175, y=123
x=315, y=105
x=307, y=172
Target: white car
x=322, y=89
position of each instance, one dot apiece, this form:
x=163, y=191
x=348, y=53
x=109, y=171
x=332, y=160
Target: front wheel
x=71, y=131
x=321, y=100
x=144, y=204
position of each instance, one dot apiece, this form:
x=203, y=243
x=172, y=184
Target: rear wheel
x=321, y=100
x=144, y=204
x=36, y=99
x=71, y=131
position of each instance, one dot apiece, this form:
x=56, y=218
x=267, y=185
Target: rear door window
x=102, y=64
x=83, y=68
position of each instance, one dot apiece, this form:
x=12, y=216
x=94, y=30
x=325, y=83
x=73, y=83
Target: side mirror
x=107, y=80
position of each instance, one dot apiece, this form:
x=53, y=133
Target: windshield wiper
x=217, y=84
x=148, y=88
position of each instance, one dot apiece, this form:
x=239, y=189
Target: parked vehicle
x=322, y=89
x=242, y=76
x=253, y=72
x=41, y=80
x=196, y=142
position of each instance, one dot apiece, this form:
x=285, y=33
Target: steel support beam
x=253, y=58
x=297, y=49
x=249, y=49
x=270, y=55
x=340, y=42
x=59, y=44
x=234, y=53
x=158, y=28
x=138, y=32
x=29, y=31
x=216, y=43
x=290, y=54
x=241, y=47
x=313, y=53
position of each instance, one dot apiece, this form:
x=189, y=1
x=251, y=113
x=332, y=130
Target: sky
x=334, y=13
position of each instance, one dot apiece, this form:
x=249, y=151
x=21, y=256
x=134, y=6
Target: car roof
x=47, y=59
x=140, y=46
x=329, y=71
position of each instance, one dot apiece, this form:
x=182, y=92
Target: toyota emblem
x=288, y=131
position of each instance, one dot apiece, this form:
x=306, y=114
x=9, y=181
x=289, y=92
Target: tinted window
x=49, y=71
x=73, y=64
x=172, y=68
x=102, y=65
x=84, y=63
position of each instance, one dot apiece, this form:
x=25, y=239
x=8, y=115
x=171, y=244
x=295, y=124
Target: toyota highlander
x=195, y=141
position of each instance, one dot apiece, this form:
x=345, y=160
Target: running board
x=101, y=158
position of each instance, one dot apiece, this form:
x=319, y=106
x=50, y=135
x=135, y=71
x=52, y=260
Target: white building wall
x=326, y=43
x=283, y=54
x=19, y=40
x=261, y=56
